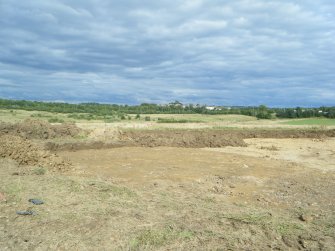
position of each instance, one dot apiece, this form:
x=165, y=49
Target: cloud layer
x=231, y=52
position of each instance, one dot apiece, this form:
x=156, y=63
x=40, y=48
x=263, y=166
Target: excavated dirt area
x=22, y=142
x=168, y=190
x=25, y=152
x=223, y=200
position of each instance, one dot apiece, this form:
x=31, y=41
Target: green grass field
x=311, y=121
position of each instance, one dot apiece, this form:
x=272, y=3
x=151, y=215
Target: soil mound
x=26, y=153
x=185, y=138
x=182, y=138
x=189, y=139
x=37, y=129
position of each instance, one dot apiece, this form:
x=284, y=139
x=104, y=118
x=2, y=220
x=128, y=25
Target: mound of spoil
x=187, y=138
x=155, y=138
x=37, y=129
x=27, y=153
x=182, y=138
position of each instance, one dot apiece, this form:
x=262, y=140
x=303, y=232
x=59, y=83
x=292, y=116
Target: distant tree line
x=298, y=112
x=261, y=112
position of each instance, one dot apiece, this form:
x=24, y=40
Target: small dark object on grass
x=28, y=212
x=36, y=201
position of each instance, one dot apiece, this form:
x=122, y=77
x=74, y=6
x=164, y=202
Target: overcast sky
x=227, y=52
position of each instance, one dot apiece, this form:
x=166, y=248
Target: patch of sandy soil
x=286, y=201
x=143, y=165
x=313, y=153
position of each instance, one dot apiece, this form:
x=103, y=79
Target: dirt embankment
x=189, y=139
x=37, y=129
x=186, y=138
x=182, y=138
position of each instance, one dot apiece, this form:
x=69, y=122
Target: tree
x=263, y=112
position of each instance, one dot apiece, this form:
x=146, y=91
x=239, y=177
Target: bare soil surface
x=316, y=153
x=168, y=190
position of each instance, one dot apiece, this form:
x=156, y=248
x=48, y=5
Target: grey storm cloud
x=234, y=52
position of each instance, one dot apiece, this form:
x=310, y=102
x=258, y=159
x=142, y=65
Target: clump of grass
x=81, y=136
x=55, y=120
x=110, y=120
x=172, y=120
x=122, y=191
x=83, y=116
x=39, y=115
x=270, y=148
x=39, y=171
x=114, y=190
x=252, y=218
x=13, y=191
x=288, y=228
x=159, y=237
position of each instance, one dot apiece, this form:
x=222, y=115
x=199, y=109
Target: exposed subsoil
x=185, y=138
